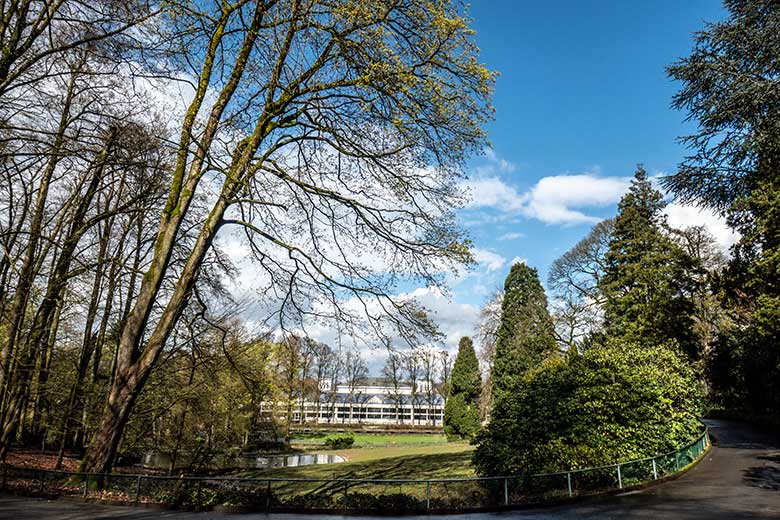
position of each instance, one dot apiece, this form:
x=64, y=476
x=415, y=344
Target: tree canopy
x=615, y=402
x=328, y=138
x=731, y=90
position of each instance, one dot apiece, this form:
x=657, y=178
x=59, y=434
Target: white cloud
x=491, y=260
x=558, y=199
x=518, y=260
x=495, y=193
x=681, y=216
x=511, y=236
x=502, y=164
x=566, y=200
x=453, y=319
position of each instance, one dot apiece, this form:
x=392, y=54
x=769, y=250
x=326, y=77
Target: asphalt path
x=738, y=478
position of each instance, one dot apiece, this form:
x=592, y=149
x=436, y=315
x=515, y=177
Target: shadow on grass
x=412, y=467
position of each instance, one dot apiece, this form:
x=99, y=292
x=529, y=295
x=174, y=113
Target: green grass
x=436, y=461
x=379, y=439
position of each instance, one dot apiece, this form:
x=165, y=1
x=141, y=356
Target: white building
x=375, y=401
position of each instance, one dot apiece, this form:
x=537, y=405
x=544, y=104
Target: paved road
x=740, y=478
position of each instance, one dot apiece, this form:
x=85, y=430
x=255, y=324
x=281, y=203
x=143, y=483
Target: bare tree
x=429, y=362
x=335, y=374
x=290, y=360
x=355, y=374
x=573, y=282
x=308, y=352
x=413, y=371
x=446, y=361
x=710, y=317
x=36, y=33
x=324, y=358
x=96, y=165
x=393, y=373
x=320, y=131
x=487, y=330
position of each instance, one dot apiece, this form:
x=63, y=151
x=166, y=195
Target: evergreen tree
x=731, y=89
x=461, y=413
x=647, y=284
x=525, y=335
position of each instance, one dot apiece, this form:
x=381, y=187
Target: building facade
x=373, y=401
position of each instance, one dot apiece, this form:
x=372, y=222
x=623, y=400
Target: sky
x=581, y=98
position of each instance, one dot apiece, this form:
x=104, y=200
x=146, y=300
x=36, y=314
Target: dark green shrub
x=616, y=402
x=391, y=502
x=324, y=500
x=340, y=441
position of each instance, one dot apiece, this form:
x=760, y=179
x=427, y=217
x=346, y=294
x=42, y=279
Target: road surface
x=739, y=478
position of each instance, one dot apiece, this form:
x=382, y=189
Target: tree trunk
x=133, y=364
x=27, y=271
x=133, y=367
x=41, y=328
x=41, y=407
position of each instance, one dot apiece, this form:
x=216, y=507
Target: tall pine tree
x=461, y=413
x=647, y=284
x=731, y=90
x=525, y=335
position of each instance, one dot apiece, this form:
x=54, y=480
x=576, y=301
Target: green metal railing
x=307, y=494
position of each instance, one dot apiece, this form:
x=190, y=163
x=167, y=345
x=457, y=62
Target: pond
x=156, y=459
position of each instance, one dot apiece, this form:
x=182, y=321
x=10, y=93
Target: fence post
x=268, y=496
x=43, y=477
x=620, y=477
x=676, y=461
x=86, y=484
x=197, y=494
x=5, y=476
x=655, y=470
x=506, y=492
x=568, y=480
x=137, y=489
x=428, y=495
x=346, y=485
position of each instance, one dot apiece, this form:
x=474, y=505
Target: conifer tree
x=730, y=88
x=526, y=334
x=648, y=283
x=461, y=413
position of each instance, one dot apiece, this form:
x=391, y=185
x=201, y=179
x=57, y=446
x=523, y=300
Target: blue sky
x=582, y=97
x=582, y=90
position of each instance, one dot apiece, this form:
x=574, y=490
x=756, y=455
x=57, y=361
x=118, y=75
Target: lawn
x=434, y=461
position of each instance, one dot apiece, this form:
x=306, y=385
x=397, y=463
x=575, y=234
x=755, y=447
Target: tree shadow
x=766, y=476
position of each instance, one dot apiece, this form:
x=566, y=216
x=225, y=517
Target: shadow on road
x=766, y=476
